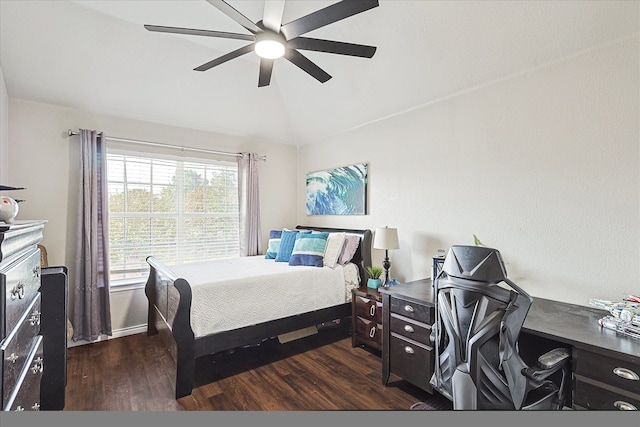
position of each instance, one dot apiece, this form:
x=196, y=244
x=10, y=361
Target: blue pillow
x=308, y=249
x=274, y=244
x=287, y=240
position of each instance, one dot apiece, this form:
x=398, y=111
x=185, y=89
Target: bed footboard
x=169, y=315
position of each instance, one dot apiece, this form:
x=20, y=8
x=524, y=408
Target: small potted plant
x=374, y=281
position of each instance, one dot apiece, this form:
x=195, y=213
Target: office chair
x=479, y=314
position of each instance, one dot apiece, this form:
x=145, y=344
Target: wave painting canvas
x=339, y=191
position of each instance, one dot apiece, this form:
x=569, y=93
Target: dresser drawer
x=411, y=360
x=590, y=396
x=368, y=308
x=21, y=283
x=410, y=329
x=17, y=346
x=608, y=370
x=419, y=312
x=369, y=331
x=26, y=395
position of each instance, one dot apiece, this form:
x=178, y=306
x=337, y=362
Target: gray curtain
x=249, y=198
x=92, y=315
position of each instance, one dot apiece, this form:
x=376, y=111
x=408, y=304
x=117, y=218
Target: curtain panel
x=249, y=200
x=92, y=315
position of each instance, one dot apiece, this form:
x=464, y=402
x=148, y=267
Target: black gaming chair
x=478, y=319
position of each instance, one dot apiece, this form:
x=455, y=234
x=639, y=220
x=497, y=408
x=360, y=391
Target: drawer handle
x=372, y=332
x=408, y=350
x=409, y=328
x=35, y=318
x=35, y=407
x=19, y=408
x=12, y=358
x=17, y=291
x=372, y=310
x=36, y=271
x=38, y=366
x=408, y=308
x=624, y=406
x=627, y=374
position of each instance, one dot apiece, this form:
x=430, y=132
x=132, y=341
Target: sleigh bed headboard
x=362, y=256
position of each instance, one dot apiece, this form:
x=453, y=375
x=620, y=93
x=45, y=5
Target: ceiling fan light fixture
x=269, y=45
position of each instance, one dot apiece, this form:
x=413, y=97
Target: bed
x=195, y=307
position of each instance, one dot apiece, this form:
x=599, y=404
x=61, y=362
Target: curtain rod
x=157, y=144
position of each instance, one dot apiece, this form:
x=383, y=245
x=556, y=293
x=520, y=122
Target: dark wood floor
x=317, y=373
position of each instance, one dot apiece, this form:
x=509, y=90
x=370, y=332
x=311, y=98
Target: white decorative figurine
x=8, y=209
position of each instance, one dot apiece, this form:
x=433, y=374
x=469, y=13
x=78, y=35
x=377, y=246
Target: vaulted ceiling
x=97, y=56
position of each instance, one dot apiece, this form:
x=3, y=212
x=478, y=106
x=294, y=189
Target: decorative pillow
x=287, y=240
x=335, y=241
x=274, y=244
x=349, y=249
x=309, y=249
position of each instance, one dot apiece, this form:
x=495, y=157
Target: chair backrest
x=478, y=319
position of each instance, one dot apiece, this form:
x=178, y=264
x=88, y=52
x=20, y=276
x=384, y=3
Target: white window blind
x=179, y=210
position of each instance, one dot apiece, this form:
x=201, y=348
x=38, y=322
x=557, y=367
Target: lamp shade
x=386, y=238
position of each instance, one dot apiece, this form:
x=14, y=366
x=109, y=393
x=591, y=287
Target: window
x=179, y=210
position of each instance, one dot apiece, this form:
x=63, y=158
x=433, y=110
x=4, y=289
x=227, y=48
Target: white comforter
x=233, y=293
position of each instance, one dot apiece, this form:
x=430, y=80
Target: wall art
x=339, y=191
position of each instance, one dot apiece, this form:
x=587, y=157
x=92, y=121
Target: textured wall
x=543, y=166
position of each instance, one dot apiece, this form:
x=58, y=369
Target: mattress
x=234, y=293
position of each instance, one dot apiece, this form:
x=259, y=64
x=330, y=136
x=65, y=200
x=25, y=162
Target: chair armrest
x=553, y=358
x=548, y=363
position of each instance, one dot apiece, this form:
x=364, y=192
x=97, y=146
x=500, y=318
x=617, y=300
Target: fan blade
x=228, y=10
x=272, y=16
x=305, y=64
x=224, y=58
x=195, y=32
x=266, y=67
x=326, y=16
x=330, y=46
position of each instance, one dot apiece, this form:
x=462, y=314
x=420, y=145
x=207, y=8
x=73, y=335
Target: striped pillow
x=287, y=240
x=274, y=244
x=309, y=249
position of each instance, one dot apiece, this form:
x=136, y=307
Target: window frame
x=139, y=281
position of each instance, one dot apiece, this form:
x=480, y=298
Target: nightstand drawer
x=614, y=372
x=369, y=331
x=368, y=308
x=591, y=396
x=419, y=312
x=410, y=329
x=411, y=360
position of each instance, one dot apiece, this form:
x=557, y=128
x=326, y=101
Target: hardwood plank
x=316, y=373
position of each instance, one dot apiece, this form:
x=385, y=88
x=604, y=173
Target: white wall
x=45, y=160
x=4, y=132
x=543, y=166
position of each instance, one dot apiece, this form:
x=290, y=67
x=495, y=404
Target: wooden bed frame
x=169, y=314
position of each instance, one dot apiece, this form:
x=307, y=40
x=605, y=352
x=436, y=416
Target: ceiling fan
x=271, y=39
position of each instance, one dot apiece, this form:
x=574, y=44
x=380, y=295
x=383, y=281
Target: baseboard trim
x=117, y=333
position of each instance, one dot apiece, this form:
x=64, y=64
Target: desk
x=596, y=352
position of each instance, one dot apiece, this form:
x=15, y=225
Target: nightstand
x=366, y=317
x=408, y=312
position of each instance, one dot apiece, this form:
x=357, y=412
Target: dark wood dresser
x=21, y=343
x=366, y=315
x=407, y=315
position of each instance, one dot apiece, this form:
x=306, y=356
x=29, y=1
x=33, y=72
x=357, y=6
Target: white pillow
x=333, y=249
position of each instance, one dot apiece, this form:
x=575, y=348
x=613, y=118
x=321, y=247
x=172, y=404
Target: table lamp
x=386, y=238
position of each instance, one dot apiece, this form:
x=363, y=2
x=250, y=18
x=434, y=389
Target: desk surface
x=569, y=323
